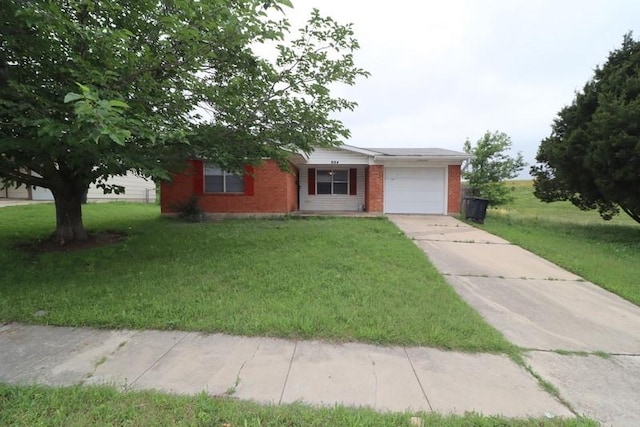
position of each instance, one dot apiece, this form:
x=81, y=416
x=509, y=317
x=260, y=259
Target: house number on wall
x=334, y=162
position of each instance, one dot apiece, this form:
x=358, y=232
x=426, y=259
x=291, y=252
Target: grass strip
x=82, y=406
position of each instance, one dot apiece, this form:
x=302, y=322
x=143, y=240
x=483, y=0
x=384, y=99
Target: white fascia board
x=421, y=159
x=302, y=157
x=358, y=150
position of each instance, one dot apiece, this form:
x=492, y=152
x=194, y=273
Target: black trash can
x=475, y=209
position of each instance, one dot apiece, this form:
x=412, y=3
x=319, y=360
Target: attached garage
x=415, y=190
x=384, y=180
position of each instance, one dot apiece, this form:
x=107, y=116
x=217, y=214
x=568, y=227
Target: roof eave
x=423, y=158
x=358, y=150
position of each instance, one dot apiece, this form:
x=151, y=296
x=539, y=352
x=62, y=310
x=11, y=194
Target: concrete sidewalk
x=545, y=309
x=274, y=370
x=19, y=202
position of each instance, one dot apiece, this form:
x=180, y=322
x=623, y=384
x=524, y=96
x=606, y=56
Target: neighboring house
x=345, y=178
x=14, y=192
x=137, y=189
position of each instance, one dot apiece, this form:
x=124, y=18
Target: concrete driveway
x=566, y=324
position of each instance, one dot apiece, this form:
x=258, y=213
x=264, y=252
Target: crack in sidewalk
x=126, y=387
x=420, y=239
x=231, y=390
x=286, y=378
x=375, y=377
x=601, y=354
x=487, y=276
x=424, y=393
x=104, y=358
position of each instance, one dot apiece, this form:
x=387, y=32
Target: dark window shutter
x=312, y=181
x=353, y=182
x=198, y=177
x=249, y=180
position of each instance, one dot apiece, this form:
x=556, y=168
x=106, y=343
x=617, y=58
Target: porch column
x=374, y=188
x=453, y=190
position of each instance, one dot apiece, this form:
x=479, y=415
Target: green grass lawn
x=85, y=406
x=603, y=252
x=343, y=279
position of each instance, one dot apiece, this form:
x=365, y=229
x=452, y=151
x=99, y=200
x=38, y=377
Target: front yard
x=343, y=279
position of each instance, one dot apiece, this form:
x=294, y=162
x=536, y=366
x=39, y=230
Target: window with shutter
x=217, y=180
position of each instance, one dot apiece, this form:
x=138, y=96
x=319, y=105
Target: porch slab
x=355, y=214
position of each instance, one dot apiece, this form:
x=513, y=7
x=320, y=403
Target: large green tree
x=592, y=157
x=91, y=89
x=490, y=166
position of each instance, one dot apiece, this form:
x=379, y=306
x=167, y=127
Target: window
x=332, y=181
x=218, y=181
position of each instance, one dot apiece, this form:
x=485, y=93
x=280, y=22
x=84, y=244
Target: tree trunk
x=634, y=214
x=69, y=226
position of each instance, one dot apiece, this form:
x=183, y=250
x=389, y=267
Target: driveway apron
x=582, y=339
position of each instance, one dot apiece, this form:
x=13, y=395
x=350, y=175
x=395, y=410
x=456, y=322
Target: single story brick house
x=344, y=178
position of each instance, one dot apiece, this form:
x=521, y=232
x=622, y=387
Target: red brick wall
x=453, y=205
x=177, y=192
x=267, y=190
x=374, y=188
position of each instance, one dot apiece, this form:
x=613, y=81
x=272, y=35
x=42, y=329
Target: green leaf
x=83, y=88
x=71, y=97
x=119, y=104
x=117, y=138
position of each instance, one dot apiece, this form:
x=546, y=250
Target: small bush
x=191, y=211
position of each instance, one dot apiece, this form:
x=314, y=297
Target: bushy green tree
x=91, y=89
x=490, y=166
x=592, y=157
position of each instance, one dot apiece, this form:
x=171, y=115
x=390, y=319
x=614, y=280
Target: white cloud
x=442, y=71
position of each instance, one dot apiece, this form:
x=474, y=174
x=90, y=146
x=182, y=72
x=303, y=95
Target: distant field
x=527, y=206
x=603, y=252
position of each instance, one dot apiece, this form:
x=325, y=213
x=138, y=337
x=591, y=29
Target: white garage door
x=414, y=190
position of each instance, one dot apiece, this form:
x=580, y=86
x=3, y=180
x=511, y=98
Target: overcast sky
x=445, y=71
